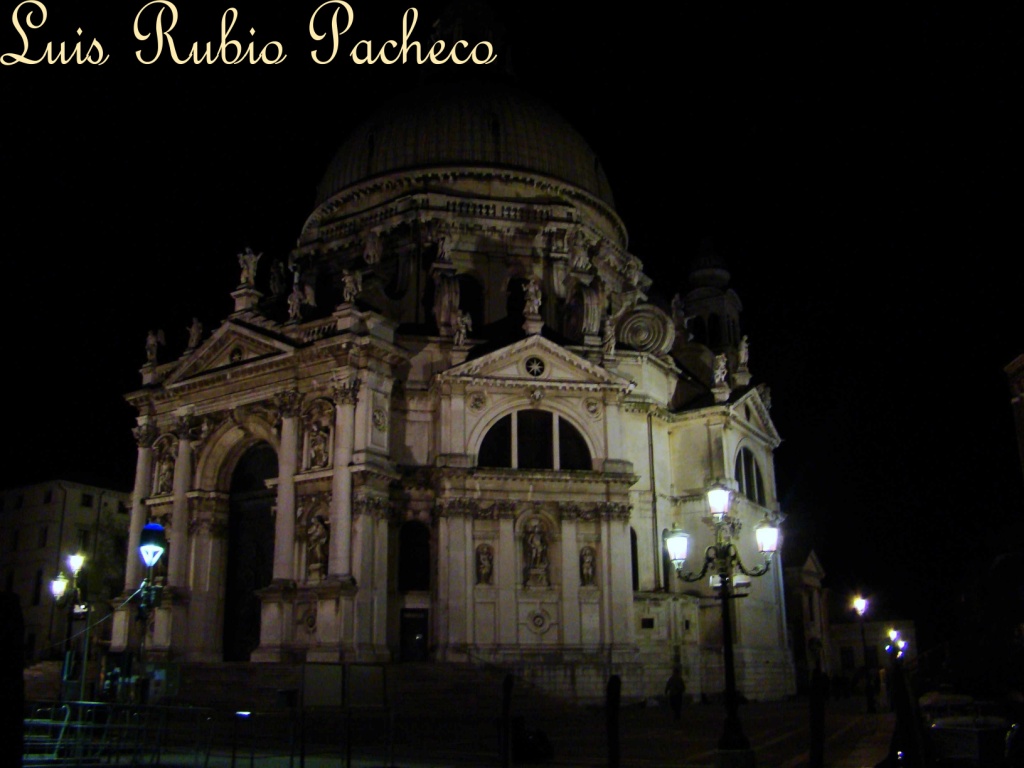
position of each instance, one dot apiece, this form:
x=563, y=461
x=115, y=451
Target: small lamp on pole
x=72, y=599
x=860, y=605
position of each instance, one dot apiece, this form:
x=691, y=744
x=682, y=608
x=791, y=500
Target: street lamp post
x=722, y=559
x=860, y=605
x=152, y=545
x=72, y=599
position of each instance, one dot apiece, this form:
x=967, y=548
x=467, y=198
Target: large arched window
x=748, y=475
x=533, y=439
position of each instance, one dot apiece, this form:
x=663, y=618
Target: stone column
x=177, y=536
x=571, y=634
x=340, y=556
x=145, y=434
x=284, y=523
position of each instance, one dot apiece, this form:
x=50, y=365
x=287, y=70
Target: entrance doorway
x=413, y=634
x=250, y=550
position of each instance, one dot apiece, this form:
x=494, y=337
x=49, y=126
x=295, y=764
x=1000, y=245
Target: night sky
x=858, y=172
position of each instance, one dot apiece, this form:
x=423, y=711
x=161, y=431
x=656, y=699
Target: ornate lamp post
x=72, y=600
x=722, y=559
x=860, y=605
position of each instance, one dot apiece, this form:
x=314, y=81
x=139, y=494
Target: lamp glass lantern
x=718, y=501
x=767, y=535
x=677, y=542
x=59, y=586
x=152, y=544
x=75, y=563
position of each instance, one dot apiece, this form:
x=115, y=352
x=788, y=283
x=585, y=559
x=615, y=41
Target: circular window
x=535, y=366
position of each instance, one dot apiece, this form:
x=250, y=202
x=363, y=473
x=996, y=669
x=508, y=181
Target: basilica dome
x=482, y=124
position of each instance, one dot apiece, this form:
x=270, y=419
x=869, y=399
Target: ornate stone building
x=450, y=426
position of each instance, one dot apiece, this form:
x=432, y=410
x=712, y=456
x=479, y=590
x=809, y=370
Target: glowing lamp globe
x=677, y=542
x=152, y=544
x=75, y=562
x=718, y=501
x=59, y=586
x=767, y=534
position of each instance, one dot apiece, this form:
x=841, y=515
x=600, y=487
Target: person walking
x=674, y=689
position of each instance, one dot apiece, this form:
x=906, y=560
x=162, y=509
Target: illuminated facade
x=450, y=426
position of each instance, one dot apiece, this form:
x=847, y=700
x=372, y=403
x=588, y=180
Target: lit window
x=748, y=475
x=534, y=439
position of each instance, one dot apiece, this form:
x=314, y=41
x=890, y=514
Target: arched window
x=413, y=557
x=534, y=439
x=748, y=475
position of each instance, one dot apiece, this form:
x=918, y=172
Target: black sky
x=859, y=172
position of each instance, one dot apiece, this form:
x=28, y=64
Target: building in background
x=40, y=525
x=807, y=614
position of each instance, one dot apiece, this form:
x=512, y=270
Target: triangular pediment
x=752, y=408
x=232, y=345
x=536, y=361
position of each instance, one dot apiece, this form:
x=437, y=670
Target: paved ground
x=778, y=732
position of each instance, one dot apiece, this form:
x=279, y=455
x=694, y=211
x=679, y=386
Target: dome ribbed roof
x=472, y=124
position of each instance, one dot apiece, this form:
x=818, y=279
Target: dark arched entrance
x=250, y=550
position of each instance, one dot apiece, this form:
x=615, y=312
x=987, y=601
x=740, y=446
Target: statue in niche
x=744, y=351
x=195, y=333
x=164, y=474
x=721, y=371
x=536, y=545
x=588, y=568
x=277, y=279
x=318, y=447
x=373, y=248
x=317, y=536
x=484, y=564
x=248, y=260
x=463, y=325
x=533, y=297
x=352, y=284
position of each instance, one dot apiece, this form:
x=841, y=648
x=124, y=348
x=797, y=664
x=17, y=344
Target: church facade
x=451, y=427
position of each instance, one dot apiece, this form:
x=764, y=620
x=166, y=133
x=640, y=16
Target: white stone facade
x=481, y=428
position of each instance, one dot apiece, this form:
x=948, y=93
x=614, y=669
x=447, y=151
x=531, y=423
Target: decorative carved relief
x=373, y=506
x=379, y=419
x=647, y=329
x=145, y=435
x=477, y=401
x=345, y=391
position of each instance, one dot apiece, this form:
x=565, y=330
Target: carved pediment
x=536, y=362
x=231, y=345
x=751, y=409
